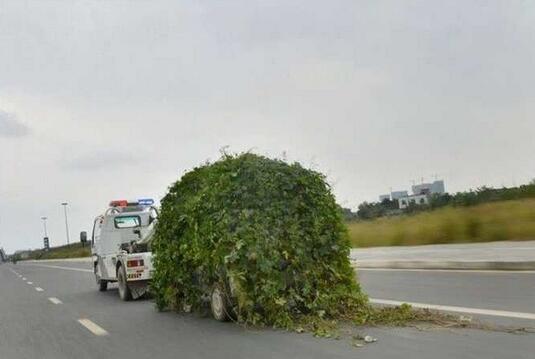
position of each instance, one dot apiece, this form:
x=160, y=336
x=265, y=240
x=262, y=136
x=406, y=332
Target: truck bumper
x=138, y=288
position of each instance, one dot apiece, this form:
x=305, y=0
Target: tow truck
x=120, y=246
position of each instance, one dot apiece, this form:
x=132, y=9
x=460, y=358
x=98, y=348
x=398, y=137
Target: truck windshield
x=127, y=221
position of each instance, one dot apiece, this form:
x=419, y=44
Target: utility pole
x=64, y=204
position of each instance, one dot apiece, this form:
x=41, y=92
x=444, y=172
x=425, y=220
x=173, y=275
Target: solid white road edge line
x=39, y=289
x=92, y=327
x=55, y=300
x=60, y=267
x=447, y=308
x=465, y=271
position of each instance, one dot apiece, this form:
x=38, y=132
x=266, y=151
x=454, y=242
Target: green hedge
x=74, y=250
x=268, y=229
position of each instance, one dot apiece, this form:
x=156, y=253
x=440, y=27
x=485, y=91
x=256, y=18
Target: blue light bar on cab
x=145, y=202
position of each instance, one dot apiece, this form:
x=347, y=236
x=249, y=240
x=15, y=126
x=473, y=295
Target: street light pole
x=64, y=204
x=44, y=225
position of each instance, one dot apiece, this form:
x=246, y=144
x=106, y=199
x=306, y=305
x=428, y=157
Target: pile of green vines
x=269, y=230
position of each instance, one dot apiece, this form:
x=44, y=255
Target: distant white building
x=422, y=193
x=437, y=187
x=384, y=197
x=415, y=199
x=398, y=194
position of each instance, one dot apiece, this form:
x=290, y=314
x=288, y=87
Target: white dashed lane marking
x=39, y=289
x=30, y=283
x=55, y=300
x=92, y=327
x=23, y=278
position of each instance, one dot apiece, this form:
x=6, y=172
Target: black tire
x=219, y=304
x=124, y=291
x=101, y=283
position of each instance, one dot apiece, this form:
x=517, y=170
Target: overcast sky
x=104, y=100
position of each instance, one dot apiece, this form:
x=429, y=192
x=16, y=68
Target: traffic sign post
x=83, y=238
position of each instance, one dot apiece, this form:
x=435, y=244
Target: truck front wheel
x=219, y=304
x=124, y=291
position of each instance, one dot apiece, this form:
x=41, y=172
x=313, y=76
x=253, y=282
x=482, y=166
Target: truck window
x=127, y=221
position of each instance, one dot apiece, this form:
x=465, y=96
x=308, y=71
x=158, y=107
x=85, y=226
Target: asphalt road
x=507, y=251
x=69, y=318
x=481, y=290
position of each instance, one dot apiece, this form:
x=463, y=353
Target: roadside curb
x=454, y=265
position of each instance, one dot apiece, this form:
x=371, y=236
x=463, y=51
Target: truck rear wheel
x=124, y=291
x=219, y=304
x=102, y=285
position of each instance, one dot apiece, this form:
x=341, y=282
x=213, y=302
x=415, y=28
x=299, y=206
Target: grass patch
x=353, y=326
x=355, y=329
x=74, y=250
x=496, y=221
x=405, y=315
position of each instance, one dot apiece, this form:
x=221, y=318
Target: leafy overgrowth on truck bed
x=270, y=230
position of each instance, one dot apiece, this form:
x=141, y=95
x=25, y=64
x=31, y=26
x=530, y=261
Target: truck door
x=95, y=236
x=109, y=247
x=96, y=245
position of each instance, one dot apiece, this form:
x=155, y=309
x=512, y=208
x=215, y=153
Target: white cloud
x=102, y=160
x=10, y=126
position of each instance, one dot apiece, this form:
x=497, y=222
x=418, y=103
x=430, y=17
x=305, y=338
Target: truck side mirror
x=83, y=237
x=138, y=232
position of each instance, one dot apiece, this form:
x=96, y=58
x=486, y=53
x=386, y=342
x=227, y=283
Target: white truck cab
x=120, y=246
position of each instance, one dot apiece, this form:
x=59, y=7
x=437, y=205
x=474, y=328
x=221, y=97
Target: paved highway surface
x=488, y=251
x=469, y=291
x=53, y=310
